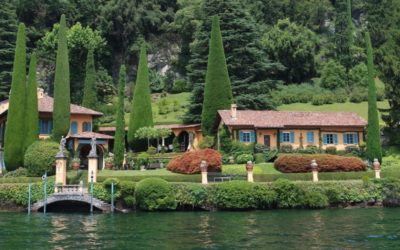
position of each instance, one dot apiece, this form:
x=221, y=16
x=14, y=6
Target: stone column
x=92, y=168
x=377, y=169
x=314, y=169
x=249, y=168
x=203, y=168
x=61, y=170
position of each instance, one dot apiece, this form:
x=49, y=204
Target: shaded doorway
x=84, y=150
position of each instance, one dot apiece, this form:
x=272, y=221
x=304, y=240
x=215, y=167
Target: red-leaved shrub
x=189, y=162
x=326, y=163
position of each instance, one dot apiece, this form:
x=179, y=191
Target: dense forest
x=277, y=51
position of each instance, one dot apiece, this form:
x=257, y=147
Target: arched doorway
x=84, y=150
x=183, y=139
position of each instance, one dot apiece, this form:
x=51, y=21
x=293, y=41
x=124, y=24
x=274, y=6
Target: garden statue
x=93, y=150
x=60, y=153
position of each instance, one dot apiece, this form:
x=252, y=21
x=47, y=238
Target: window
x=86, y=127
x=310, y=137
x=247, y=136
x=74, y=128
x=45, y=126
x=330, y=139
x=350, y=138
x=285, y=137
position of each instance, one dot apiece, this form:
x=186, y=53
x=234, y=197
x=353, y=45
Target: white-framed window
x=330, y=138
x=246, y=137
x=286, y=137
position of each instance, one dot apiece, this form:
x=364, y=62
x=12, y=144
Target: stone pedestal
x=204, y=173
x=92, y=168
x=377, y=173
x=61, y=171
x=249, y=168
x=315, y=175
x=377, y=168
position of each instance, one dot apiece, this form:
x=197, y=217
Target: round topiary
x=40, y=157
x=155, y=194
x=189, y=162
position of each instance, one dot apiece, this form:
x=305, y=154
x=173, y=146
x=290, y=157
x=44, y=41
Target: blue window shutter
x=241, y=136
x=74, y=128
x=292, y=137
x=89, y=126
x=325, y=139
x=356, y=138
x=253, y=136
x=280, y=136
x=335, y=140
x=310, y=137
x=344, y=138
x=50, y=126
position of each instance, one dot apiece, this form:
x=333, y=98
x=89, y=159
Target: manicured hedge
x=40, y=157
x=326, y=163
x=17, y=193
x=155, y=194
x=170, y=178
x=189, y=163
x=20, y=180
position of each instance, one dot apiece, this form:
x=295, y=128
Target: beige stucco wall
x=273, y=133
x=80, y=119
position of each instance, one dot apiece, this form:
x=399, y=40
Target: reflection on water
x=284, y=229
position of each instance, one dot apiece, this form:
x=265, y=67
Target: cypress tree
x=119, y=139
x=31, y=106
x=89, y=92
x=14, y=135
x=344, y=33
x=217, y=90
x=141, y=113
x=61, y=112
x=374, y=149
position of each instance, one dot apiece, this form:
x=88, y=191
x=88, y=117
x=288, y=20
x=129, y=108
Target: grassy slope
x=360, y=108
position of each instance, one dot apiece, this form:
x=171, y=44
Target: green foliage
x=190, y=195
x=155, y=194
x=119, y=139
x=288, y=194
x=151, y=150
x=19, y=172
x=333, y=75
x=315, y=199
x=18, y=193
x=15, y=128
x=141, y=113
x=217, y=90
x=207, y=142
x=61, y=111
x=89, y=91
x=31, y=106
x=358, y=76
x=293, y=46
x=259, y=157
x=179, y=86
x=374, y=149
x=240, y=195
x=244, y=158
x=8, y=29
x=344, y=32
x=40, y=157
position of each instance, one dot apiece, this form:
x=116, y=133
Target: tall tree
x=251, y=72
x=344, y=31
x=374, y=149
x=15, y=127
x=119, y=139
x=8, y=29
x=90, y=92
x=217, y=90
x=31, y=106
x=62, y=101
x=141, y=114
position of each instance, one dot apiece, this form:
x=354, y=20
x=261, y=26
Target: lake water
x=375, y=228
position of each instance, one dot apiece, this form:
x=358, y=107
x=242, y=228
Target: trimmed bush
x=40, y=157
x=244, y=158
x=331, y=150
x=155, y=194
x=286, y=148
x=259, y=158
x=315, y=199
x=288, y=194
x=189, y=163
x=326, y=163
x=19, y=172
x=190, y=196
x=17, y=193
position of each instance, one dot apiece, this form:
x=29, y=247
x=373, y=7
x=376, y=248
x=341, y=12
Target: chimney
x=233, y=111
x=40, y=93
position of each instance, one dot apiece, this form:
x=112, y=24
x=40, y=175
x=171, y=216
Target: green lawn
x=360, y=108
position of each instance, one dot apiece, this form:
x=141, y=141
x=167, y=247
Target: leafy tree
x=31, y=108
x=119, y=142
x=163, y=133
x=333, y=75
x=217, y=91
x=8, y=29
x=80, y=40
x=15, y=127
x=358, y=75
x=293, y=46
x=89, y=92
x=61, y=112
x=344, y=31
x=251, y=72
x=141, y=114
x=374, y=149
x=146, y=133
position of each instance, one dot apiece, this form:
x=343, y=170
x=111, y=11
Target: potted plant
x=109, y=162
x=76, y=163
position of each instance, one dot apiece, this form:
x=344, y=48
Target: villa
x=298, y=129
x=81, y=128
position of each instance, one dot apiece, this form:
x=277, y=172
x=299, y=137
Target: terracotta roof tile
x=281, y=119
x=45, y=104
x=90, y=135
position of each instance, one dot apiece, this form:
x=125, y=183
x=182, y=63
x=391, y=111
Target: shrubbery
x=244, y=158
x=40, y=157
x=288, y=194
x=19, y=172
x=326, y=163
x=189, y=163
x=155, y=194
